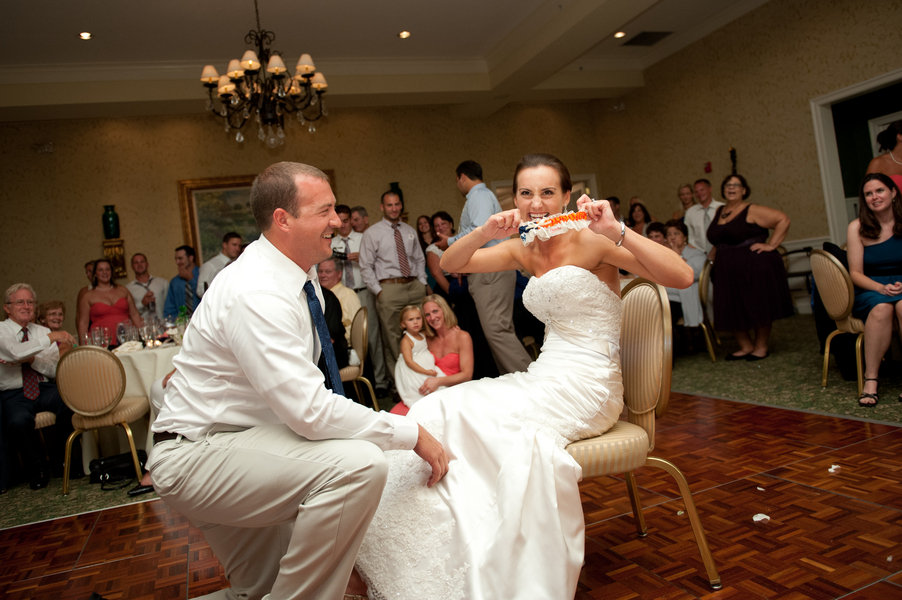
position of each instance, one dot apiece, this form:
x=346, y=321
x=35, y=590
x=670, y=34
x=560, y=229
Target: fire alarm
x=708, y=167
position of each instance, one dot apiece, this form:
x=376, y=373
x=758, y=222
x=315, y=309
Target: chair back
x=834, y=284
x=360, y=335
x=90, y=380
x=646, y=353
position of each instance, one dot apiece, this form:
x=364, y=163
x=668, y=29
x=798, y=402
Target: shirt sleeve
x=274, y=345
x=14, y=351
x=45, y=361
x=171, y=310
x=367, y=261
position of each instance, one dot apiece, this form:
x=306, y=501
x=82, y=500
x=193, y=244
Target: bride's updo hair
x=545, y=160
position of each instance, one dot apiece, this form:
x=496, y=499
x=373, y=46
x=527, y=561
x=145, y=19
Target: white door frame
x=828, y=153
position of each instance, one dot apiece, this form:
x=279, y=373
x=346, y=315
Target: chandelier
x=268, y=95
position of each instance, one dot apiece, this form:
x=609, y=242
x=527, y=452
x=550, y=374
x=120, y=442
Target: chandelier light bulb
x=249, y=61
x=305, y=65
x=209, y=74
x=276, y=65
x=235, y=71
x=319, y=82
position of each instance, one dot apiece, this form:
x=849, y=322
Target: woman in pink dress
x=451, y=346
x=106, y=305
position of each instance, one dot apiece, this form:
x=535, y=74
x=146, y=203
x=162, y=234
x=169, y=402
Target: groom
x=281, y=475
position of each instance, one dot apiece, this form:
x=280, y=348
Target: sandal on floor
x=875, y=397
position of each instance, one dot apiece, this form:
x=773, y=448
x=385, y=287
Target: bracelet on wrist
x=622, y=233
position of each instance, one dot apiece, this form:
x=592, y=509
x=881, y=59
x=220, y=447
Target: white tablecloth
x=142, y=368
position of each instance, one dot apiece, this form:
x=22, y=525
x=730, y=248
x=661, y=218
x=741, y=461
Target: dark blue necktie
x=333, y=379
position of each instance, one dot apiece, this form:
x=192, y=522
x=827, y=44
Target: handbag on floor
x=115, y=472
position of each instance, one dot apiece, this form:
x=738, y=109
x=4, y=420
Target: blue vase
x=110, y=222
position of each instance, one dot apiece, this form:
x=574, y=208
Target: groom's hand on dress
x=429, y=449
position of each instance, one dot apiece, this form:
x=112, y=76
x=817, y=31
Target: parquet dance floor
x=831, y=487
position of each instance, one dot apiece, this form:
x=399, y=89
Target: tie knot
x=395, y=225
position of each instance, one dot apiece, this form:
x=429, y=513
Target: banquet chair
x=41, y=420
x=91, y=381
x=834, y=284
x=646, y=363
x=354, y=373
x=704, y=281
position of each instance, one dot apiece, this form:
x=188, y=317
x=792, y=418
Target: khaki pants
x=284, y=515
x=391, y=300
x=375, y=347
x=493, y=294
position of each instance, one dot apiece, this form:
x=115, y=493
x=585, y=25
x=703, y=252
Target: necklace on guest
x=727, y=212
x=893, y=156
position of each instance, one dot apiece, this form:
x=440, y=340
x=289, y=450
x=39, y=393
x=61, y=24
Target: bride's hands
x=502, y=225
x=429, y=449
x=601, y=217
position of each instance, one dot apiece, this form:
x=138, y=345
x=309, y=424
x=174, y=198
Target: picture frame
x=213, y=206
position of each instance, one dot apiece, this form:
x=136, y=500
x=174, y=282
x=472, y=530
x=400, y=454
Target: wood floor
x=833, y=532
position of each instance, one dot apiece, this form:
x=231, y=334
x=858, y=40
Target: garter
x=548, y=227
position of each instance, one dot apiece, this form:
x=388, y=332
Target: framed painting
x=212, y=207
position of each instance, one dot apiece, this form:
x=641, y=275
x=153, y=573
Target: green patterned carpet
x=789, y=378
x=22, y=505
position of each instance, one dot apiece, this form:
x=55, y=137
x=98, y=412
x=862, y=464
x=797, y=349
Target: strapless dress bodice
x=574, y=303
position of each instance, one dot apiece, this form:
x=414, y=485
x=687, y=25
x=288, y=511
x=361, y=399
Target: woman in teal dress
x=875, y=264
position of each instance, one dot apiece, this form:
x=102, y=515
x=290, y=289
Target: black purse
x=115, y=472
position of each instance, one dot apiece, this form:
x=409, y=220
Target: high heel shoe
x=875, y=397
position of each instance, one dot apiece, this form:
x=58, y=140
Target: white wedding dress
x=506, y=521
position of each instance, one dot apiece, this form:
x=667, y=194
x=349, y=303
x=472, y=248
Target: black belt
x=163, y=436
x=360, y=289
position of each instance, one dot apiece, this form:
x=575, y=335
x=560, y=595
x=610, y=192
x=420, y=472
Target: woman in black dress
x=750, y=287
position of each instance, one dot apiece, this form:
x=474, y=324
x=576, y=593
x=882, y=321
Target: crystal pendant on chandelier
x=259, y=86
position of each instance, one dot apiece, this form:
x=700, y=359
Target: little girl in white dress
x=416, y=362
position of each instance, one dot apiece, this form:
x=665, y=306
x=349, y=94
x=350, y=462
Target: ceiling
x=477, y=55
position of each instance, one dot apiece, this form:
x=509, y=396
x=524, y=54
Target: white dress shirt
x=158, y=286
x=695, y=223
x=13, y=351
x=351, y=267
x=379, y=254
x=209, y=270
x=249, y=358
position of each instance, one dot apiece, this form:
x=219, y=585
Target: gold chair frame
x=834, y=284
x=646, y=362
x=359, y=340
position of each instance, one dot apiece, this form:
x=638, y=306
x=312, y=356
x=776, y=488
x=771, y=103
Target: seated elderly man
x=28, y=357
x=330, y=273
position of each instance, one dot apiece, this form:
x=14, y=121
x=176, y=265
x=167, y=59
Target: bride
x=506, y=521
